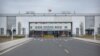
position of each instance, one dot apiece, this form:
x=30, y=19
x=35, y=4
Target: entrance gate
x=52, y=29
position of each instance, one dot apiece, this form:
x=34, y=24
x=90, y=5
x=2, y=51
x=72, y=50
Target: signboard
x=50, y=26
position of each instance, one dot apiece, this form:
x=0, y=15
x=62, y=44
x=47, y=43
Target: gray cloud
x=13, y=6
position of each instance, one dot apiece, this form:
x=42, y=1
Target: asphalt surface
x=55, y=47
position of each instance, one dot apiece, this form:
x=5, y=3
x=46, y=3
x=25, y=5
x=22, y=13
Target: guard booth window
x=1, y=31
x=98, y=30
x=89, y=31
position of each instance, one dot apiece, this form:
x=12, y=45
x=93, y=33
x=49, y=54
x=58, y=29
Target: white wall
x=25, y=20
x=77, y=20
x=97, y=22
x=3, y=23
x=24, y=24
x=63, y=19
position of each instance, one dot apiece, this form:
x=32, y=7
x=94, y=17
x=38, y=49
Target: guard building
x=55, y=24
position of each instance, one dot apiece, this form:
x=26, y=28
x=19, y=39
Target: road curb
x=9, y=44
x=89, y=40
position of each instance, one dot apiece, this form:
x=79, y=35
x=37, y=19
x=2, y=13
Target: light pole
x=94, y=30
x=12, y=34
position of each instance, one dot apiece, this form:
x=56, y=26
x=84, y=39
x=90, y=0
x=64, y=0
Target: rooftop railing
x=52, y=14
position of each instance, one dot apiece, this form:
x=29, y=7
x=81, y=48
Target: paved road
x=56, y=47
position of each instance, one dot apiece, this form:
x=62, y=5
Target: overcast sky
x=42, y=6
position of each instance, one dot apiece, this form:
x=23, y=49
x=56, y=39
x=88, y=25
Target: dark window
x=2, y=31
x=30, y=27
x=77, y=31
x=38, y=27
x=23, y=29
x=99, y=30
x=65, y=26
x=89, y=22
x=89, y=31
x=58, y=27
x=11, y=21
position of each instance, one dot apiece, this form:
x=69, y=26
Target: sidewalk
x=89, y=40
x=9, y=44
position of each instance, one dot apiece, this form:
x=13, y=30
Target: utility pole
x=12, y=34
x=94, y=30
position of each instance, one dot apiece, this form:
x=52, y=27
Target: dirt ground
x=7, y=38
x=91, y=37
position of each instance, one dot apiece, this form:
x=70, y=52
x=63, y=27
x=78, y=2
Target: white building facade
x=57, y=24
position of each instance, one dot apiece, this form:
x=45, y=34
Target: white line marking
x=65, y=40
x=60, y=45
x=45, y=39
x=34, y=39
x=56, y=39
x=38, y=39
x=13, y=48
x=53, y=39
x=41, y=40
x=60, y=39
x=66, y=50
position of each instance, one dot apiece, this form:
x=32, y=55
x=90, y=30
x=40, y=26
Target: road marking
x=38, y=39
x=53, y=39
x=41, y=39
x=13, y=47
x=71, y=39
x=60, y=45
x=45, y=39
x=34, y=39
x=66, y=50
x=56, y=39
x=65, y=40
x=60, y=39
